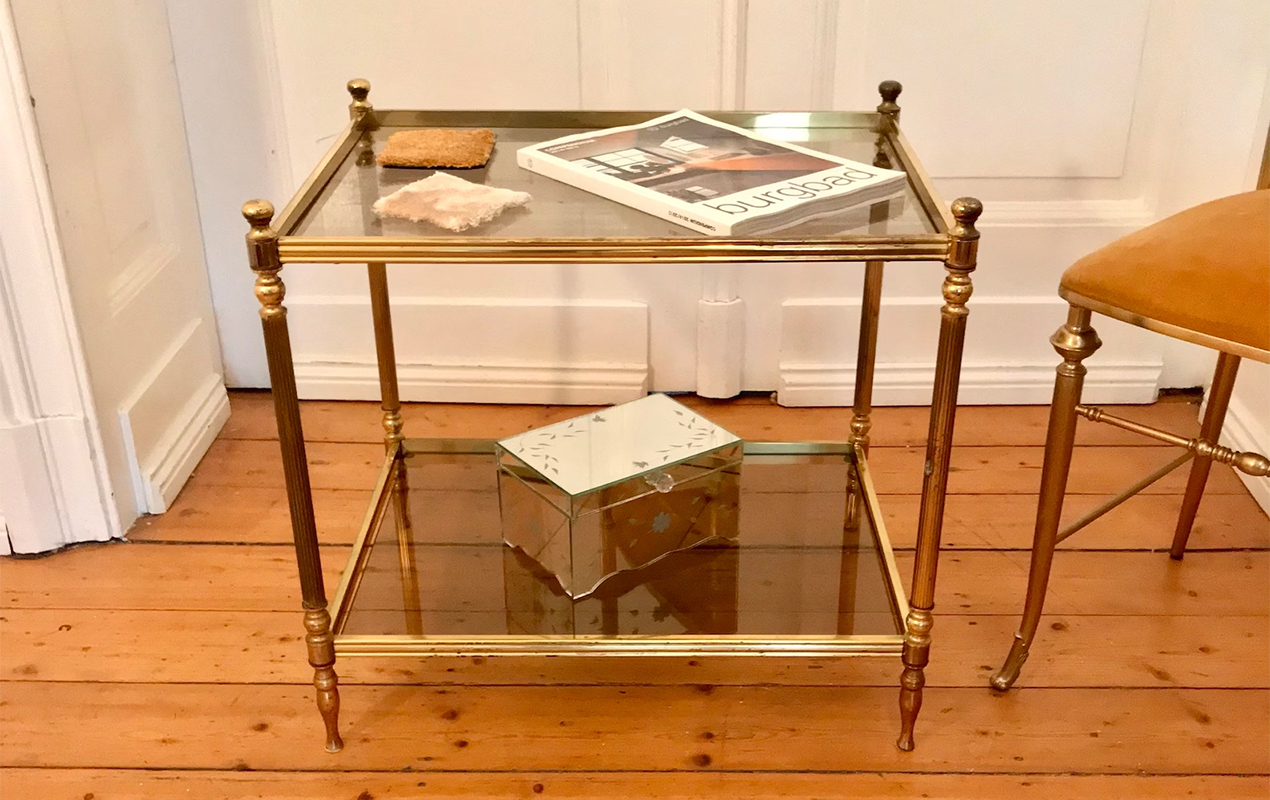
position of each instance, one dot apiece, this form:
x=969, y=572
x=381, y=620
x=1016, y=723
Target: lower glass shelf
x=809, y=572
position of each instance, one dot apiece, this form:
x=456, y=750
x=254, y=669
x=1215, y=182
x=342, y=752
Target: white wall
x=1248, y=422
x=225, y=67
x=1075, y=123
x=54, y=486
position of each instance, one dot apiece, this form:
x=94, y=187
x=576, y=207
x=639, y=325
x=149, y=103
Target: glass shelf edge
x=357, y=250
x=402, y=117
x=406, y=645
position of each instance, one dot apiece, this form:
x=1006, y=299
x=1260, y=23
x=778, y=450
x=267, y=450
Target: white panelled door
x=110, y=126
x=1073, y=122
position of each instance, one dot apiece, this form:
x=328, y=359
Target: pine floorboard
x=173, y=665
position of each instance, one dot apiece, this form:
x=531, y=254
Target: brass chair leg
x=1075, y=342
x=1209, y=431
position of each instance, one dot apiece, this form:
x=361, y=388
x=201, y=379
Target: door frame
x=54, y=487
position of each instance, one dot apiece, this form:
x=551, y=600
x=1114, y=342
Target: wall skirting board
x=1009, y=360
x=1243, y=431
x=562, y=384
x=981, y=384
x=51, y=485
x=187, y=442
x=163, y=448
x=486, y=350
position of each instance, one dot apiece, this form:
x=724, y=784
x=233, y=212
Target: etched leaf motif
x=661, y=522
x=640, y=464
x=598, y=418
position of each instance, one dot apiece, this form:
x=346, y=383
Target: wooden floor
x=172, y=666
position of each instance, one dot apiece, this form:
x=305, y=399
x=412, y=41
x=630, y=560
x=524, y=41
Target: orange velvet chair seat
x=1205, y=270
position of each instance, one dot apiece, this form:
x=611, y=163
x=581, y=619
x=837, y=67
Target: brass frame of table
x=272, y=243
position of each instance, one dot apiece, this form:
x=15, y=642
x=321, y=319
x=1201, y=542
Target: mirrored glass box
x=617, y=490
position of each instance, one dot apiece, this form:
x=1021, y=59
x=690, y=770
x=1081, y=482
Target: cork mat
x=438, y=147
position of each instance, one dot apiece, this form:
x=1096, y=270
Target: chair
x=1202, y=276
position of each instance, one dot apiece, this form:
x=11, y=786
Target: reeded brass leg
x=262, y=250
x=866, y=358
x=322, y=658
x=957, y=289
x=385, y=354
x=1075, y=342
x=1209, y=431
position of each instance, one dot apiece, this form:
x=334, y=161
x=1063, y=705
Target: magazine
x=715, y=178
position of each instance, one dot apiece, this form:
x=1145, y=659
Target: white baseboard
x=179, y=452
x=171, y=417
x=476, y=350
x=981, y=384
x=48, y=486
x=474, y=383
x=1008, y=357
x=1242, y=432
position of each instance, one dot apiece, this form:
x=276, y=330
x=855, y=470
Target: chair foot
x=1009, y=672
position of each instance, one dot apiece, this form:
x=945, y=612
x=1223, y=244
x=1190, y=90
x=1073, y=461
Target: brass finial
x=890, y=91
x=359, y=88
x=965, y=237
x=262, y=241
x=966, y=211
x=258, y=212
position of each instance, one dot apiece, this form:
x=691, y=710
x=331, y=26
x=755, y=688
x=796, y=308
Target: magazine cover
x=707, y=175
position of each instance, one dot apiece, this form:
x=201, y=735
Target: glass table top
x=341, y=206
x=435, y=568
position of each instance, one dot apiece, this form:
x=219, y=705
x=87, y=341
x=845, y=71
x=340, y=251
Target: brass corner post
x=386, y=355
x=960, y=262
x=1075, y=341
x=870, y=307
x=359, y=89
x=262, y=253
x=377, y=272
x=866, y=355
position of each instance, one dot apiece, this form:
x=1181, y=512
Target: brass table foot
x=1009, y=672
x=911, y=683
x=328, y=702
x=322, y=658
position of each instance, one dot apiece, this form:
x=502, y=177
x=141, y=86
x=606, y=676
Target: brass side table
x=419, y=584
